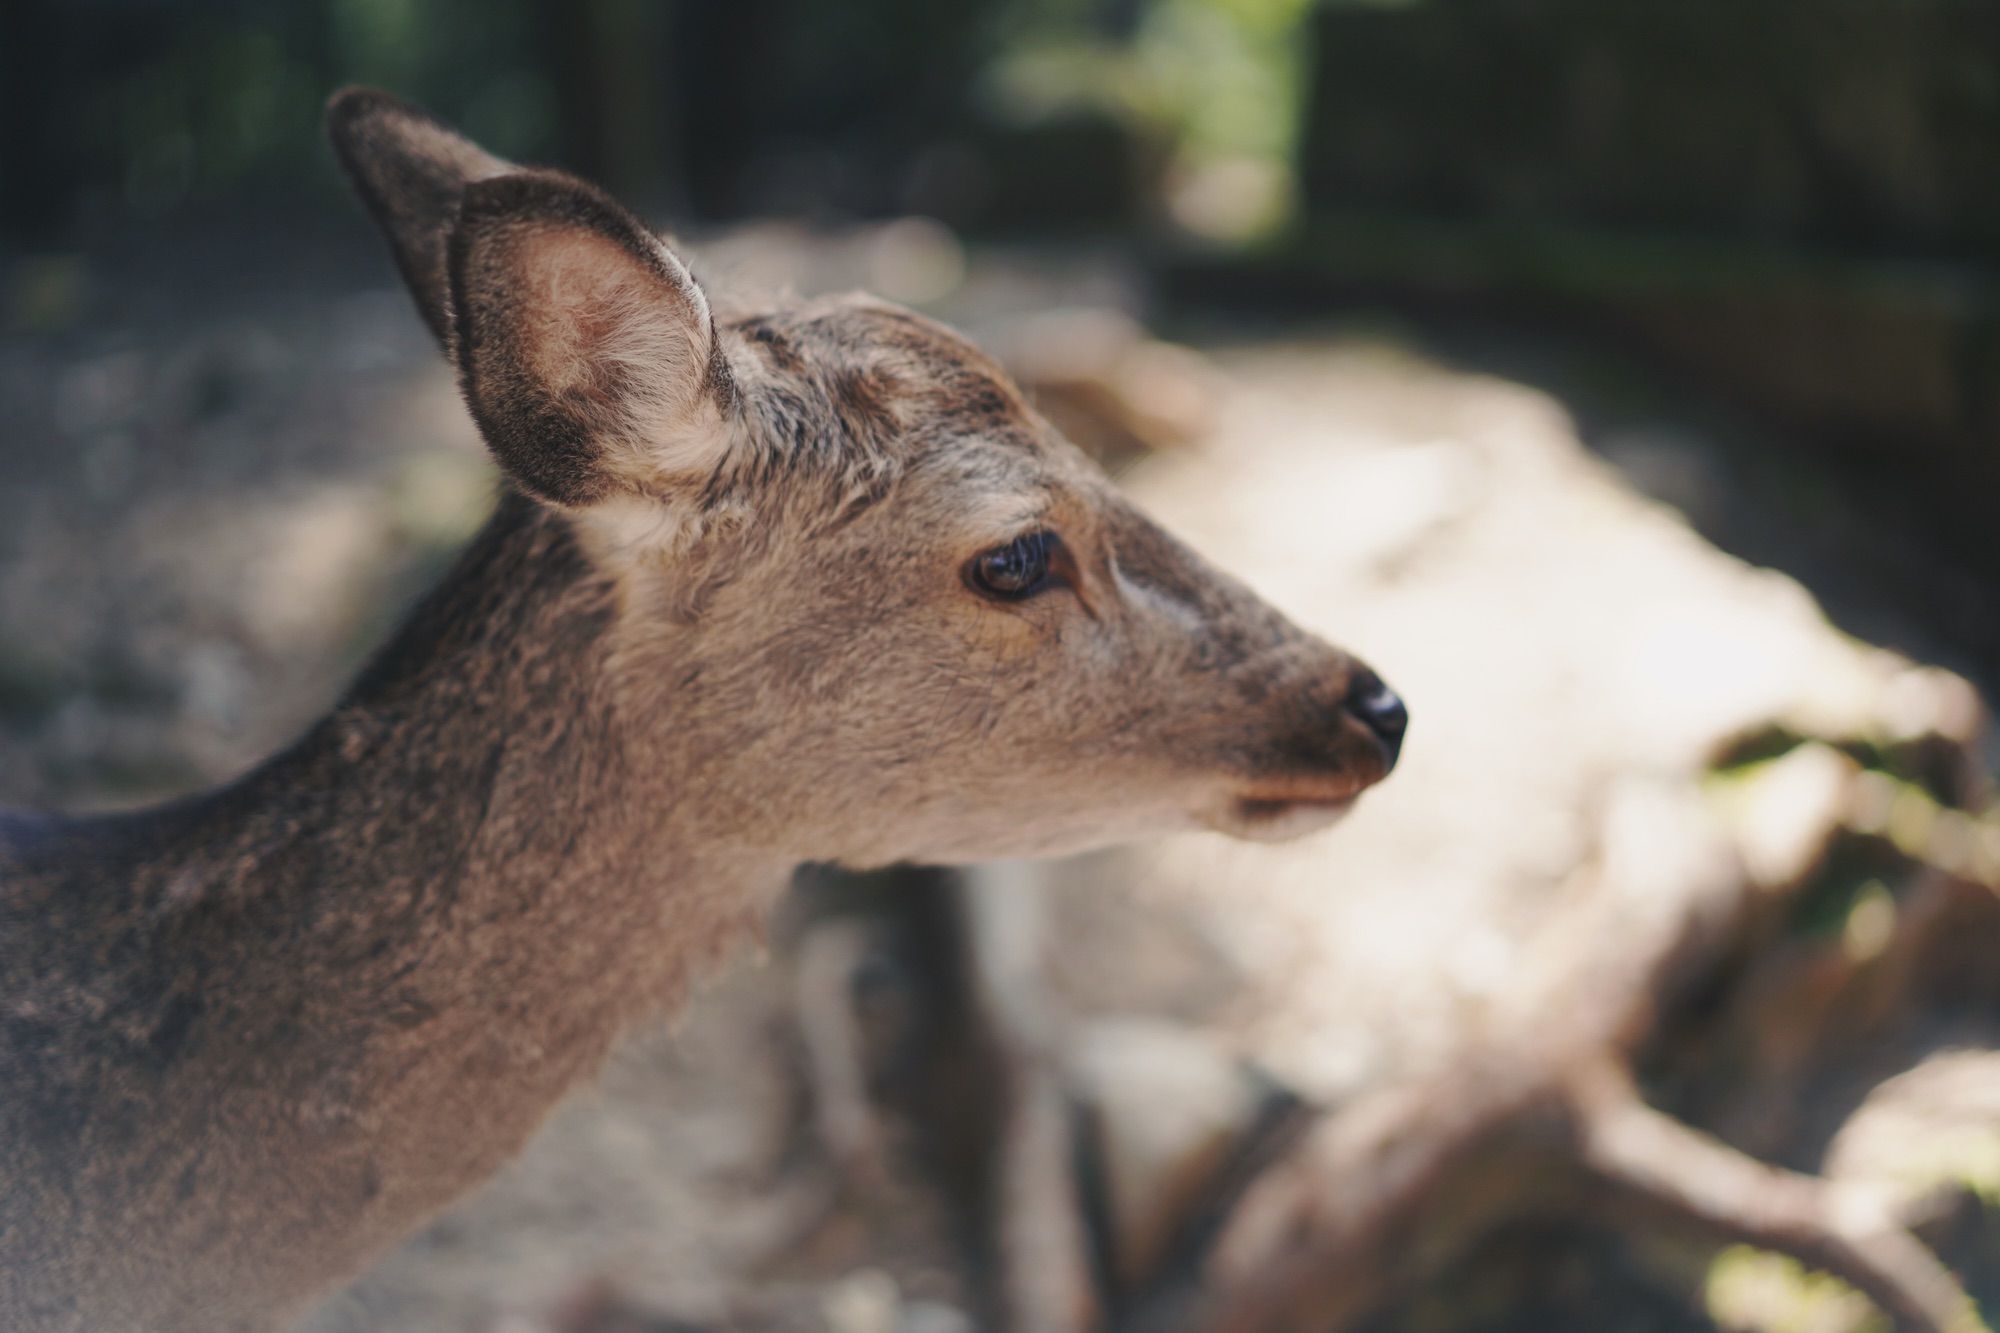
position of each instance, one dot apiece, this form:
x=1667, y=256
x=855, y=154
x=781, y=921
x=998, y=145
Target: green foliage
x=1215, y=80
x=1235, y=68
x=181, y=105
x=207, y=102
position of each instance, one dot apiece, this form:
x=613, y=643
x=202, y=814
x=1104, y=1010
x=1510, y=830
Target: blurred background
x=1622, y=378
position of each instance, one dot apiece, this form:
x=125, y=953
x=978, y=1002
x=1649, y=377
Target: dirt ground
x=227, y=467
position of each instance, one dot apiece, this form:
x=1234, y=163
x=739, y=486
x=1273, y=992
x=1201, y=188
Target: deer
x=768, y=582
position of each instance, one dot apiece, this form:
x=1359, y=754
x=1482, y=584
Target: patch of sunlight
x=1760, y=1292
x=1966, y=1156
x=1871, y=924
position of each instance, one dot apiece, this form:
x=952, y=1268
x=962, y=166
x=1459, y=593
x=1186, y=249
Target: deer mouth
x=1256, y=809
x=1279, y=813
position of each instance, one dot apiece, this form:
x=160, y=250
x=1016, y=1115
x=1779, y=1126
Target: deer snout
x=1342, y=732
x=1380, y=709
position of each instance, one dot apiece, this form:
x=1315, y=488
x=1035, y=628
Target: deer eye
x=1014, y=571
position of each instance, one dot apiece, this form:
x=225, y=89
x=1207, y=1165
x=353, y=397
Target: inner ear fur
x=585, y=348
x=410, y=170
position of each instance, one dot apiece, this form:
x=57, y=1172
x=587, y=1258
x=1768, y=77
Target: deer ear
x=409, y=170
x=585, y=348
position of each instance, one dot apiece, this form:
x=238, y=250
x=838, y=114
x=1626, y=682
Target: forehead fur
x=861, y=392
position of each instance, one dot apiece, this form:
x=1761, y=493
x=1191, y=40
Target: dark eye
x=1018, y=569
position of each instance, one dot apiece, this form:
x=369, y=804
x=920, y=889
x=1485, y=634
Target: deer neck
x=375, y=963
x=478, y=801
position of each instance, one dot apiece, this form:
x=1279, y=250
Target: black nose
x=1381, y=709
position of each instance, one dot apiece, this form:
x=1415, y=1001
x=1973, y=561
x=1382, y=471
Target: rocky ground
x=227, y=467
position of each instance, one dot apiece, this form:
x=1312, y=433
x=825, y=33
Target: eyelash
x=989, y=573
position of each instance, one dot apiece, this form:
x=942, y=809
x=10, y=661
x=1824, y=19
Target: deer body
x=250, y=1038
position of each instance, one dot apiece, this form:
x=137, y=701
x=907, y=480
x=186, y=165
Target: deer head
x=869, y=603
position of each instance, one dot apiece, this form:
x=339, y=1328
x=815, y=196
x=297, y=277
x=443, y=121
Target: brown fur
x=722, y=627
